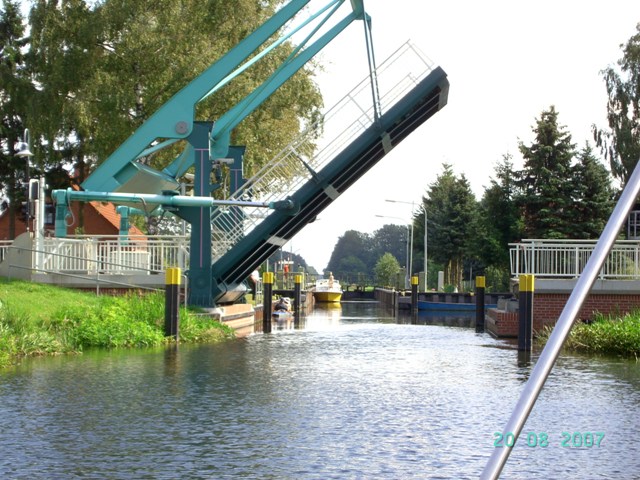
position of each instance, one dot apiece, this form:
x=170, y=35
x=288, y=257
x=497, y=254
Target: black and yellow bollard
x=414, y=294
x=172, y=303
x=267, y=290
x=297, y=297
x=525, y=313
x=480, y=286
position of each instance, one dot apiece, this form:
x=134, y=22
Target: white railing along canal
x=567, y=258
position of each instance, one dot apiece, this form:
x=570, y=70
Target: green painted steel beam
x=64, y=197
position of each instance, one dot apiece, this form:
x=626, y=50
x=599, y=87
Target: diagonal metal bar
x=551, y=350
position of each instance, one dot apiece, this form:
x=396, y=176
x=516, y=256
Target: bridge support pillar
x=172, y=303
x=525, y=313
x=267, y=291
x=414, y=296
x=297, y=300
x=480, y=286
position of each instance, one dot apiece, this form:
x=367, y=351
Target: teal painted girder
x=175, y=119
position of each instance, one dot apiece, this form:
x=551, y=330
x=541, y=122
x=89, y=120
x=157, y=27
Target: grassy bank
x=46, y=320
x=606, y=335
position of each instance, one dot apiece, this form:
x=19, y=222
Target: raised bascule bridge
x=230, y=238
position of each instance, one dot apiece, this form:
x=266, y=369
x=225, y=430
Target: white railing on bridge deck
x=567, y=258
x=320, y=143
x=113, y=254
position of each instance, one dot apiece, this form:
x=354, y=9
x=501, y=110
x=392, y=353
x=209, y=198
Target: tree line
x=562, y=191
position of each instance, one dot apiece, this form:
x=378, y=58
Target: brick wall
x=547, y=307
x=501, y=323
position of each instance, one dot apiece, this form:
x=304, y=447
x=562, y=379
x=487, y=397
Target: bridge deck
x=415, y=108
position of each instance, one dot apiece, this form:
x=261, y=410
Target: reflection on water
x=352, y=393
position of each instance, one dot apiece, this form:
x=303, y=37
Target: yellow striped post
x=297, y=294
x=267, y=289
x=173, y=278
x=480, y=289
x=414, y=293
x=525, y=313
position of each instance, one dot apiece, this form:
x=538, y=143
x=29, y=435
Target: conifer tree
x=594, y=196
x=545, y=182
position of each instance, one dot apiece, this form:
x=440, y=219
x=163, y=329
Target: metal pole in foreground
x=552, y=349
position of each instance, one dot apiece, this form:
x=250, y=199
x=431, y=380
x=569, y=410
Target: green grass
x=606, y=335
x=40, y=319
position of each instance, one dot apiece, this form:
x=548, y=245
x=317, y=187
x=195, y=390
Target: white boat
x=327, y=290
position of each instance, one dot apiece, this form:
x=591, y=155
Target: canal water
x=353, y=394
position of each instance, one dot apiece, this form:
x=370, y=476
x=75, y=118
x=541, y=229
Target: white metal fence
x=113, y=255
x=567, y=258
x=319, y=144
x=4, y=245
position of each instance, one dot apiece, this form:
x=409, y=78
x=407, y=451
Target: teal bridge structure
x=231, y=237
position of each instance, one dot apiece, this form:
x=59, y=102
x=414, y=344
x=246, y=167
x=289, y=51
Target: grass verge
x=606, y=335
x=40, y=319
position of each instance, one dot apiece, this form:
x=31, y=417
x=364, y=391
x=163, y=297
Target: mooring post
x=267, y=288
x=414, y=294
x=297, y=294
x=480, y=286
x=525, y=313
x=172, y=303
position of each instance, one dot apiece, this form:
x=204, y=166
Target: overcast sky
x=506, y=62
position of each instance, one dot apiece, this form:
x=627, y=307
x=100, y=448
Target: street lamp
x=37, y=196
x=24, y=151
x=409, y=254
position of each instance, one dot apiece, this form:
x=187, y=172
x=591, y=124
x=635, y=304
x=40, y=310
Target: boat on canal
x=282, y=308
x=327, y=290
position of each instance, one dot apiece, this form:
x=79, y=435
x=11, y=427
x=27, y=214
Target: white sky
x=506, y=62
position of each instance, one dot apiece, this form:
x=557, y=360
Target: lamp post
x=425, y=236
x=35, y=196
x=409, y=254
x=24, y=150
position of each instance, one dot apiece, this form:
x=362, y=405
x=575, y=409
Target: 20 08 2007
x=544, y=440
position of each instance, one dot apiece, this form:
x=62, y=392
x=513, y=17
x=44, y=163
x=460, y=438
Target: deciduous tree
x=387, y=270
x=621, y=142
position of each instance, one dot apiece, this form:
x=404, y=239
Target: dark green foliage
x=546, y=191
x=123, y=59
x=351, y=244
x=621, y=143
x=607, y=335
x=594, y=196
x=499, y=220
x=451, y=210
x=15, y=94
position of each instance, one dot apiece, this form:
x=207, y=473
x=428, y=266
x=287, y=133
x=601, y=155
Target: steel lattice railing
x=318, y=145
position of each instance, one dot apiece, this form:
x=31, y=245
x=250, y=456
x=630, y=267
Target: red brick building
x=98, y=219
